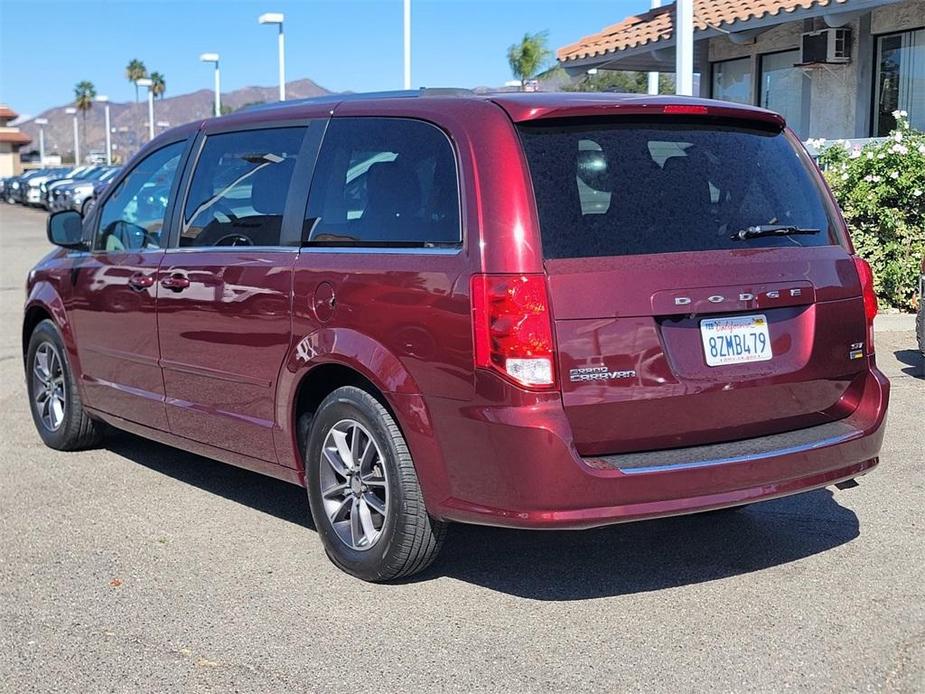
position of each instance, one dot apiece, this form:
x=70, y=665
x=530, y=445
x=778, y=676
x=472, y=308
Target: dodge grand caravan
x=524, y=310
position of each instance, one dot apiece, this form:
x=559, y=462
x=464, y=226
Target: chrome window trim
x=383, y=250
x=232, y=249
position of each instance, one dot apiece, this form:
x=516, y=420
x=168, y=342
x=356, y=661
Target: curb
x=894, y=322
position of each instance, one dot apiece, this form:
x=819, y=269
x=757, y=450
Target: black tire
x=408, y=539
x=76, y=430
x=920, y=324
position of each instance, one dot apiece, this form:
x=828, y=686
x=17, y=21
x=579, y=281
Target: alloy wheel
x=48, y=392
x=354, y=484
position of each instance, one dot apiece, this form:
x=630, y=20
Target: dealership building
x=833, y=68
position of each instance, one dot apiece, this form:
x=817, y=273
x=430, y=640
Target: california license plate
x=735, y=340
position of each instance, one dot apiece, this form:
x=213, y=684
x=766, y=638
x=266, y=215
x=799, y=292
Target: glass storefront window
x=900, y=80
x=732, y=80
x=782, y=88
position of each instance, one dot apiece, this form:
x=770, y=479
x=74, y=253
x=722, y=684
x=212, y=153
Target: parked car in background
x=34, y=188
x=16, y=192
x=49, y=187
x=79, y=195
x=409, y=306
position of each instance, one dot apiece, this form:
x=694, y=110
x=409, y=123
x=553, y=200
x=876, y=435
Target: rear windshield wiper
x=770, y=230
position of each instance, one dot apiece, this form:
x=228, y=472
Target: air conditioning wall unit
x=826, y=46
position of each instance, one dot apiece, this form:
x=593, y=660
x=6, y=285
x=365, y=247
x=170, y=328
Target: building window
x=900, y=83
x=783, y=89
x=732, y=80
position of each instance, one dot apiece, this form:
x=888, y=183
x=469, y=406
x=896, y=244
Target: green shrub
x=881, y=191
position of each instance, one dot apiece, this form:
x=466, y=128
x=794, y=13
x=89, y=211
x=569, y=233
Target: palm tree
x=527, y=57
x=84, y=94
x=158, y=84
x=134, y=71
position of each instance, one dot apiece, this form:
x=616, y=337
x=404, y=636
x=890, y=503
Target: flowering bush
x=881, y=191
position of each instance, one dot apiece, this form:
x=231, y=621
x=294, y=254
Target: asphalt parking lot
x=137, y=567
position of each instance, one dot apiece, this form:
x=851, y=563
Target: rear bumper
x=516, y=467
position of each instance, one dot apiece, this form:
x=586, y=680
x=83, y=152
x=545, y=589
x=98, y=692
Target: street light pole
x=146, y=82
x=213, y=58
x=407, y=36
x=105, y=101
x=653, y=76
x=73, y=112
x=277, y=18
x=684, y=47
x=41, y=122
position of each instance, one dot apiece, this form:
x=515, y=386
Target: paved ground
x=138, y=567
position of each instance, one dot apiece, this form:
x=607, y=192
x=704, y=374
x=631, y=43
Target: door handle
x=176, y=283
x=139, y=281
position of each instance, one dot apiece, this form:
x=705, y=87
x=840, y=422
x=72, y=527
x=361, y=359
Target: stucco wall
x=840, y=95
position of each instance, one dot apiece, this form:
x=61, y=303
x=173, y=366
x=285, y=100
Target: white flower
x=870, y=155
x=898, y=136
x=881, y=156
x=899, y=149
x=894, y=175
x=921, y=149
x=856, y=152
x=903, y=114
x=916, y=193
x=844, y=177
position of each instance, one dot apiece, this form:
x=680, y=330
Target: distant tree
x=158, y=84
x=529, y=56
x=226, y=109
x=134, y=71
x=84, y=94
x=621, y=81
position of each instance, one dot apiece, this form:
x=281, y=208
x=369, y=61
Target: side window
x=133, y=216
x=381, y=182
x=238, y=193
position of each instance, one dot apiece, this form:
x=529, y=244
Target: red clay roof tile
x=658, y=24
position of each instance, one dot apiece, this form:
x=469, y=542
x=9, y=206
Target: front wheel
x=363, y=490
x=56, y=407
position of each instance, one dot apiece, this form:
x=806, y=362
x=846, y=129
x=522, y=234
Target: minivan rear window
x=639, y=187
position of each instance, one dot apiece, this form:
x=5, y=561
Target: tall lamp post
x=213, y=58
x=277, y=18
x=684, y=47
x=146, y=82
x=73, y=112
x=105, y=101
x=41, y=122
x=407, y=42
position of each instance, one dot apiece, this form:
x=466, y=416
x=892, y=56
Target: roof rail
x=361, y=96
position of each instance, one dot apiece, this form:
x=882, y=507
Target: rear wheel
x=56, y=407
x=363, y=490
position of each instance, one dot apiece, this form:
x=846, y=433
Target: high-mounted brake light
x=513, y=328
x=866, y=276
x=684, y=108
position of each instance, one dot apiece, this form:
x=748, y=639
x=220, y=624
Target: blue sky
x=47, y=46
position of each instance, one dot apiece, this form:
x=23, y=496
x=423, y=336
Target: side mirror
x=65, y=229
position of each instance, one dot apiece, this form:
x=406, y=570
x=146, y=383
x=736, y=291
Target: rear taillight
x=866, y=276
x=513, y=328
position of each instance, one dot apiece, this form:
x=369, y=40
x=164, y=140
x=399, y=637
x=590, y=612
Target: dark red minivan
x=527, y=310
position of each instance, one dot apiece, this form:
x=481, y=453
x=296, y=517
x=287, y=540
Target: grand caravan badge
x=597, y=373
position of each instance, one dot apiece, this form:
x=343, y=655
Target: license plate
x=735, y=340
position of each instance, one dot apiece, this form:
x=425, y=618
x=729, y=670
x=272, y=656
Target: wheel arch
x=362, y=362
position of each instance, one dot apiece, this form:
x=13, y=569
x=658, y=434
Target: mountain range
x=129, y=120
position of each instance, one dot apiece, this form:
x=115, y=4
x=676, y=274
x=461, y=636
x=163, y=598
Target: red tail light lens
x=513, y=328
x=866, y=276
